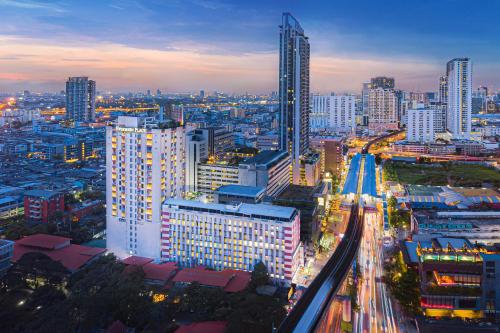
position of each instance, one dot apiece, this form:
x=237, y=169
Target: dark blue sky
x=411, y=40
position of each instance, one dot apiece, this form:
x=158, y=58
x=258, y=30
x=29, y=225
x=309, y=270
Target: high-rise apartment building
x=294, y=92
x=232, y=236
x=144, y=166
x=459, y=106
x=382, y=82
x=382, y=104
x=420, y=125
x=80, y=99
x=443, y=89
x=333, y=113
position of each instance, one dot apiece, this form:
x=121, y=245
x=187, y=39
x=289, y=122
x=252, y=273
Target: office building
x=80, y=99
x=365, y=96
x=144, y=166
x=218, y=139
x=459, y=74
x=268, y=142
x=196, y=153
x=330, y=150
x=268, y=169
x=383, y=110
x=235, y=237
x=211, y=175
x=333, y=113
x=294, y=92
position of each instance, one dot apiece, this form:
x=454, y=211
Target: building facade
x=333, y=113
x=269, y=169
x=420, y=126
x=144, y=166
x=42, y=205
x=80, y=99
x=294, y=92
x=383, y=110
x=235, y=237
x=459, y=109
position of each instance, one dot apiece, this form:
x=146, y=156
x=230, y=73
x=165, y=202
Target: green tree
x=260, y=275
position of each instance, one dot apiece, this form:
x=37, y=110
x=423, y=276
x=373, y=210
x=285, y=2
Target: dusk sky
x=232, y=46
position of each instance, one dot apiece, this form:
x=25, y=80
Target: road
x=376, y=312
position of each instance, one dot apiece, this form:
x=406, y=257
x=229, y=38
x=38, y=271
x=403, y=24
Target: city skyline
x=231, y=46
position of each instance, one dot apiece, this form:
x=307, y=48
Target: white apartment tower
x=459, y=109
x=333, y=113
x=144, y=166
x=420, y=125
x=382, y=105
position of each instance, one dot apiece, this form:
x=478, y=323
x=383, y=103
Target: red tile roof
x=117, y=327
x=229, y=280
x=44, y=241
x=71, y=256
x=160, y=272
x=203, y=327
x=239, y=281
x=202, y=276
x=136, y=261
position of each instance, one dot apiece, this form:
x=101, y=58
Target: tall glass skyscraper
x=294, y=92
x=459, y=108
x=80, y=99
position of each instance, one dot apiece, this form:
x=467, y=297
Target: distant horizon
x=232, y=46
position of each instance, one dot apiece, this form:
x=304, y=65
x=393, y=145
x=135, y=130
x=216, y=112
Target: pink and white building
x=232, y=236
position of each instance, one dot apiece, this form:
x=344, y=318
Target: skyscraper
x=294, y=92
x=459, y=109
x=80, y=99
x=144, y=166
x=443, y=89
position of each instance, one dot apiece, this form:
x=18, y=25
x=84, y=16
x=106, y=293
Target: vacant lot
x=441, y=174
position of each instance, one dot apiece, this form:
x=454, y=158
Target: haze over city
x=184, y=46
x=195, y=166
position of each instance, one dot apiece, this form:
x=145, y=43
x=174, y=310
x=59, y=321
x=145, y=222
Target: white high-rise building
x=144, y=166
x=459, y=109
x=333, y=113
x=382, y=104
x=420, y=125
x=232, y=236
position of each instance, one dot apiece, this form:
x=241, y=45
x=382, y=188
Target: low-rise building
x=6, y=254
x=42, y=205
x=232, y=236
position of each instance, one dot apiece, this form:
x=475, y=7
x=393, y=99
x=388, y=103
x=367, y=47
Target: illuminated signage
x=131, y=129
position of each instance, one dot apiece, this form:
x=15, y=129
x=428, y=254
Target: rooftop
x=229, y=280
x=251, y=210
x=46, y=194
x=241, y=190
x=266, y=157
x=71, y=256
x=203, y=327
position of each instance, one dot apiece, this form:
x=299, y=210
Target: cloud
x=35, y=5
x=118, y=67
